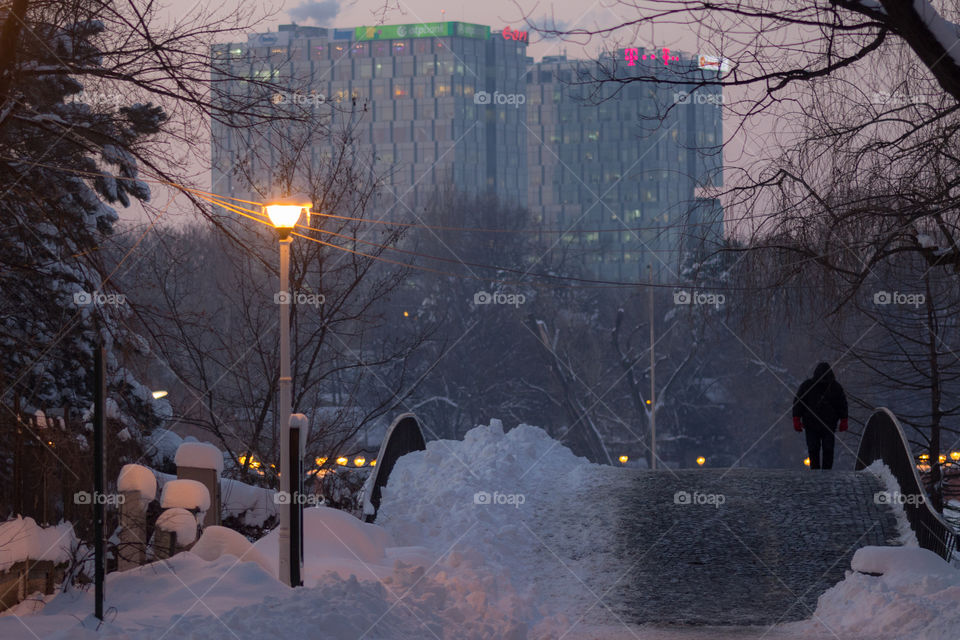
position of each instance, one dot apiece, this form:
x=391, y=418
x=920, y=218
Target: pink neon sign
x=632, y=55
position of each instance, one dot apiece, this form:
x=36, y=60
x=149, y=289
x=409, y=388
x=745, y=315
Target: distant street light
x=806, y=461
x=623, y=459
x=955, y=456
x=284, y=215
x=342, y=461
x=701, y=460
x=159, y=394
x=359, y=461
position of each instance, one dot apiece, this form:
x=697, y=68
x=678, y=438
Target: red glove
x=843, y=424
x=797, y=425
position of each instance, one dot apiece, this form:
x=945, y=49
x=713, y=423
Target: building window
x=441, y=90
x=400, y=47
x=422, y=46
x=380, y=48
x=360, y=49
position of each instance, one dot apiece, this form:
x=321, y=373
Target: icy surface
x=201, y=455
x=22, y=538
x=188, y=494
x=136, y=477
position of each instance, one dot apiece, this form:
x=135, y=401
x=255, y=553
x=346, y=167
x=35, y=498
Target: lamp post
x=284, y=215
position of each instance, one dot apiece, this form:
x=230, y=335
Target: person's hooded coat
x=820, y=402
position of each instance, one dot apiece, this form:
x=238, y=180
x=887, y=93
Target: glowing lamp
x=955, y=456
x=320, y=461
x=623, y=459
x=701, y=460
x=373, y=463
x=359, y=461
x=341, y=461
x=159, y=394
x=943, y=458
x=285, y=213
x=806, y=462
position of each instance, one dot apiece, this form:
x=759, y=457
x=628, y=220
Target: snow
x=301, y=422
x=200, y=455
x=163, y=445
x=216, y=542
x=906, y=535
x=22, y=538
x=188, y=494
x=136, y=477
x=457, y=553
x=917, y=597
x=181, y=522
x=913, y=562
x=253, y=505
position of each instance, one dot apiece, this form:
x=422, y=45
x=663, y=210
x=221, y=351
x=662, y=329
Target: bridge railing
x=883, y=439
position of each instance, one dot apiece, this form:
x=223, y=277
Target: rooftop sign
x=423, y=30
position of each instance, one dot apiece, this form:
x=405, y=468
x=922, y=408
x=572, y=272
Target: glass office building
x=462, y=104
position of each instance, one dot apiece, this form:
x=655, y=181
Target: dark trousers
x=818, y=439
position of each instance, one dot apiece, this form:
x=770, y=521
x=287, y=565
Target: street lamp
x=284, y=215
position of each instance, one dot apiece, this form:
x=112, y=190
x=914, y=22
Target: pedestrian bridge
x=752, y=546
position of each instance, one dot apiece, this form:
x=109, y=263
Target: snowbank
x=136, y=477
x=181, y=522
x=187, y=494
x=481, y=485
x=201, y=455
x=219, y=541
x=21, y=538
x=335, y=541
x=917, y=596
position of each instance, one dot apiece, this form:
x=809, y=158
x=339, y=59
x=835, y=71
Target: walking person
x=820, y=404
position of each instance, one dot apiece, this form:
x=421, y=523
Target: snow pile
x=181, y=522
x=201, y=455
x=187, y=494
x=335, y=541
x=917, y=597
x=22, y=538
x=479, y=488
x=163, y=445
x=253, y=505
x=219, y=541
x=136, y=477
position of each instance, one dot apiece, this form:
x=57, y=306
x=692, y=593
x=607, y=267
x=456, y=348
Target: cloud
x=320, y=13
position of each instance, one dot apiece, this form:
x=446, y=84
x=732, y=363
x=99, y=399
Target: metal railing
x=883, y=439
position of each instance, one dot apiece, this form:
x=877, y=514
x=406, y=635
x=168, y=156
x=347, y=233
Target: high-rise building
x=459, y=104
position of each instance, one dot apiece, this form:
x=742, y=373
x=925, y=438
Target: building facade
x=462, y=104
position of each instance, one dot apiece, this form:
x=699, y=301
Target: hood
x=823, y=374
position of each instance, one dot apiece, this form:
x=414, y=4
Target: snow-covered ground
x=465, y=547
